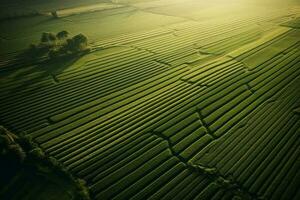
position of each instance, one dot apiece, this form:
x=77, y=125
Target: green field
x=176, y=99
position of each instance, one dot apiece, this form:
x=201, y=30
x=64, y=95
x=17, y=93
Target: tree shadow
x=57, y=66
x=47, y=69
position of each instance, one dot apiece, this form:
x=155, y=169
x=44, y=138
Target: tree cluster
x=59, y=45
x=20, y=152
x=9, y=147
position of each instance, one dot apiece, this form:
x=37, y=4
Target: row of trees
x=59, y=45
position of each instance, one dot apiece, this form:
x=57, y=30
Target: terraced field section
x=195, y=109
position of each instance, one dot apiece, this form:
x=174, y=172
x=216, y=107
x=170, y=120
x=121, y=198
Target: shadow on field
x=58, y=65
x=40, y=72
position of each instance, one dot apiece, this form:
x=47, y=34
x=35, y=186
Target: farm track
x=173, y=115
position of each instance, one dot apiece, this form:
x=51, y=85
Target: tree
x=80, y=42
x=62, y=35
x=48, y=37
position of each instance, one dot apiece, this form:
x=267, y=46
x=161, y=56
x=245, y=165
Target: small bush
x=82, y=190
x=53, y=53
x=37, y=153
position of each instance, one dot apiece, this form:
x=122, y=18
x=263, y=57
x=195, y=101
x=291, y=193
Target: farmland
x=176, y=99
